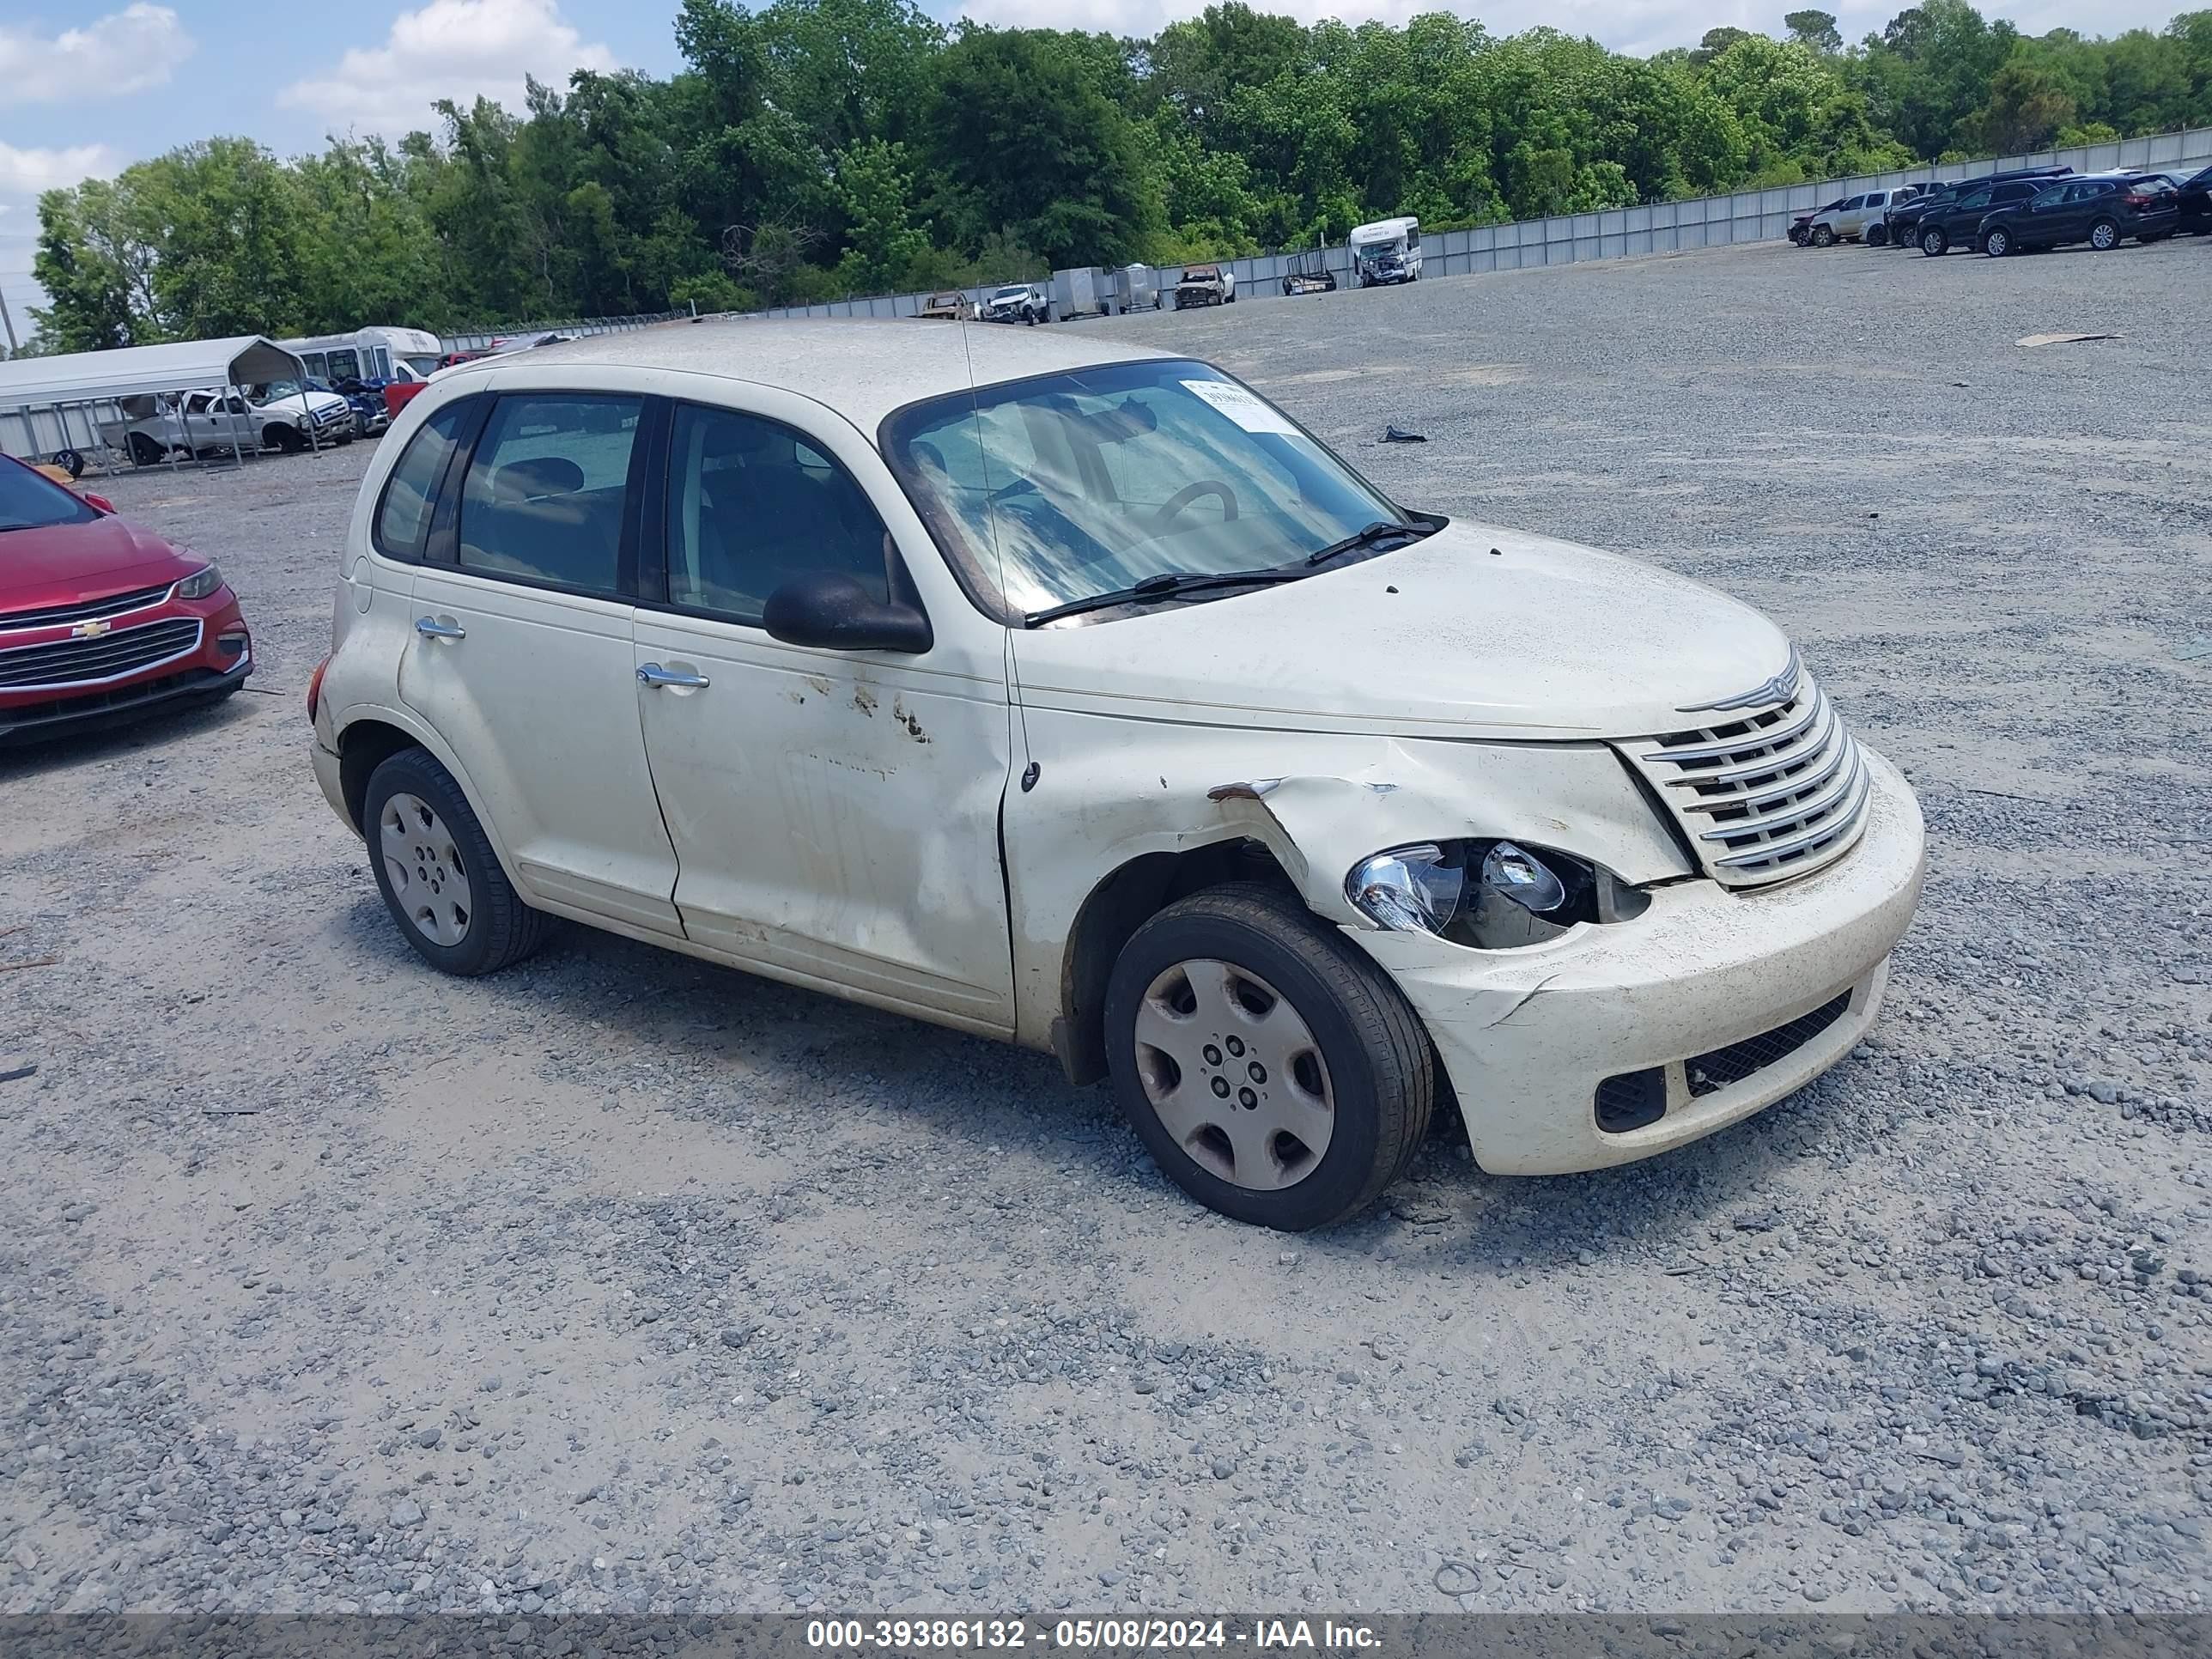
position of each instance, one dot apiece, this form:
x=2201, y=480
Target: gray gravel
x=623, y=1282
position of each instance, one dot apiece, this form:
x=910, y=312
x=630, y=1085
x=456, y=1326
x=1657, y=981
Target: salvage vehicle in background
x=1018, y=302
x=950, y=306
x=155, y=425
x=1073, y=695
x=1204, y=284
x=99, y=620
x=2102, y=209
x=1858, y=218
x=372, y=356
x=1800, y=227
x=1388, y=250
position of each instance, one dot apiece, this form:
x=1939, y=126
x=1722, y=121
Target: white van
x=1388, y=250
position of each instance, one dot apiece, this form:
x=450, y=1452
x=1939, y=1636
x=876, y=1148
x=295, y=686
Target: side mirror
x=98, y=503
x=835, y=612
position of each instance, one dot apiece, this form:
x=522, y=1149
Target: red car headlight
x=201, y=583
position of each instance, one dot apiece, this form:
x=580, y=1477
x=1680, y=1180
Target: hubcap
x=2103, y=237
x=1998, y=241
x=425, y=867
x=1234, y=1073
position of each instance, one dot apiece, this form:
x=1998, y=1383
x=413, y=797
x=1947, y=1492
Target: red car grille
x=84, y=610
x=95, y=661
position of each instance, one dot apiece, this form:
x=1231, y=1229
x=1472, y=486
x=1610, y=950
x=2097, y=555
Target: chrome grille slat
x=113, y=604
x=1762, y=803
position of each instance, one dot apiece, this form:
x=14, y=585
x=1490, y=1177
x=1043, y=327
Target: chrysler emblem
x=90, y=630
x=1780, y=688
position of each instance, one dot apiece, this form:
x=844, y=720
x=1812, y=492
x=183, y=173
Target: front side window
x=1072, y=485
x=1977, y=199
x=751, y=504
x=544, y=497
x=403, y=517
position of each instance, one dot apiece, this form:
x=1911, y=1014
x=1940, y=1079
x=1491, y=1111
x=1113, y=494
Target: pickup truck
x=207, y=423
x=1206, y=285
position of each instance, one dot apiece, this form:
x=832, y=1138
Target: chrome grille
x=1766, y=795
x=114, y=605
x=96, y=661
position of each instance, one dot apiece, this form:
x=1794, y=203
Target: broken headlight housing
x=1487, y=895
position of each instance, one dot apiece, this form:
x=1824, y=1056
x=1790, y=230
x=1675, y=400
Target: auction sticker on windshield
x=1241, y=406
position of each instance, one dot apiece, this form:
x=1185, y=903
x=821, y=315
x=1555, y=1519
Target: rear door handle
x=431, y=628
x=652, y=673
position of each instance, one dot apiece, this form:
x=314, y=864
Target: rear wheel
x=144, y=452
x=439, y=876
x=1273, y=1070
x=1997, y=242
x=2104, y=235
x=1877, y=236
x=1934, y=243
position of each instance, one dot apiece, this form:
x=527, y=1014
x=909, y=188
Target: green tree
x=1816, y=30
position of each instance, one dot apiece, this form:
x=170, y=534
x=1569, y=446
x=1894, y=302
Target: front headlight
x=201, y=583
x=1488, y=894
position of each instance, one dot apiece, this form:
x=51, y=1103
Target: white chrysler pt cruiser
x=1072, y=693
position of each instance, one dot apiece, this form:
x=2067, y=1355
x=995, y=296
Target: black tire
x=1934, y=243
x=1823, y=236
x=502, y=930
x=2105, y=235
x=1877, y=236
x=144, y=452
x=1380, y=1069
x=1997, y=242
x=286, y=438
x=69, y=462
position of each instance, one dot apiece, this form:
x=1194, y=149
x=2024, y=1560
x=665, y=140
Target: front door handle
x=431, y=628
x=652, y=673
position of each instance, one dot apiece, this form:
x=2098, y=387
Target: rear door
x=520, y=654
x=1966, y=214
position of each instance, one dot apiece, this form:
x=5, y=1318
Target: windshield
x=1010, y=293
x=1069, y=485
x=31, y=500
x=424, y=366
x=274, y=390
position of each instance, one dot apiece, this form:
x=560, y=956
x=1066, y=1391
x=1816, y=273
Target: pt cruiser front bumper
x=1711, y=1004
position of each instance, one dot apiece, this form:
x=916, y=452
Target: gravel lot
x=623, y=1282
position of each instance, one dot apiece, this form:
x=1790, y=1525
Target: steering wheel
x=1182, y=498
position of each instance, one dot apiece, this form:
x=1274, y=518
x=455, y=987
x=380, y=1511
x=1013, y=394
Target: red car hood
x=70, y=563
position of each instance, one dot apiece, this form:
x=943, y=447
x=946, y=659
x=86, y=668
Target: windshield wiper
x=1378, y=531
x=1166, y=585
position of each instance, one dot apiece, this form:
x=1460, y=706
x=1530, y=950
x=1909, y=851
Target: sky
x=88, y=88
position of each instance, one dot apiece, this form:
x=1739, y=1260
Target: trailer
x=1137, y=287
x=1082, y=291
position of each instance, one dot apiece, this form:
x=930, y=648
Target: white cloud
x=123, y=52
x=453, y=49
x=25, y=173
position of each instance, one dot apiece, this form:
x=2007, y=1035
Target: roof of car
x=863, y=369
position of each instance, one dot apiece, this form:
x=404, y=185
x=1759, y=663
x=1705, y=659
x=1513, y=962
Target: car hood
x=70, y=563
x=1473, y=632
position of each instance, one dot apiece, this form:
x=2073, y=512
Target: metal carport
x=68, y=397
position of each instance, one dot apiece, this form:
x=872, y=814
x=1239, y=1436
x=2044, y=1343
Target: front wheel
x=1823, y=236
x=2104, y=235
x=1996, y=243
x=439, y=876
x=1934, y=243
x=1273, y=1070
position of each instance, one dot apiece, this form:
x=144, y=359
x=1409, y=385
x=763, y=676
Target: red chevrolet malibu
x=100, y=621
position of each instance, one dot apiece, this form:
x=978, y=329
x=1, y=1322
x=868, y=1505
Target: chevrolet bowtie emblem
x=90, y=630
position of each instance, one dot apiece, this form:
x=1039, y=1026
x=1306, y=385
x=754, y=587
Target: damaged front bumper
x=1711, y=1004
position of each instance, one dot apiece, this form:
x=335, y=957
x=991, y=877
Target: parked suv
x=1905, y=218
x=1957, y=221
x=2100, y=209
x=2194, y=201
x=1859, y=218
x=709, y=637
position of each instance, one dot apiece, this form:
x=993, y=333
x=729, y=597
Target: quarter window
x=545, y=494
x=751, y=504
x=403, y=517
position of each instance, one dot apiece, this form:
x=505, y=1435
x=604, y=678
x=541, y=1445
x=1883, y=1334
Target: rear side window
x=751, y=504
x=1976, y=198
x=544, y=496
x=403, y=517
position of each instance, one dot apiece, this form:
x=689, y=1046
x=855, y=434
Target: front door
x=520, y=653
x=835, y=814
